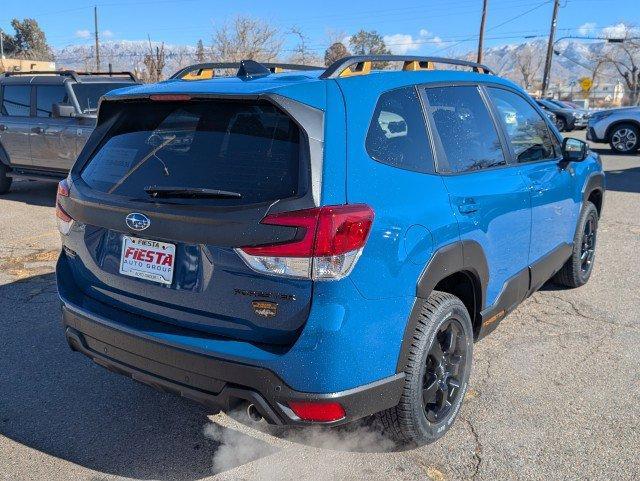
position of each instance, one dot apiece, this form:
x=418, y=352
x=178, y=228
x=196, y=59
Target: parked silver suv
x=620, y=128
x=46, y=118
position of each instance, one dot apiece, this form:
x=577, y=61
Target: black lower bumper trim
x=218, y=383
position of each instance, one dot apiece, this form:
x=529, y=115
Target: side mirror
x=63, y=110
x=574, y=150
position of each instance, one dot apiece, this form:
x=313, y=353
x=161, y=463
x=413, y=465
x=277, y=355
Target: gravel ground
x=554, y=391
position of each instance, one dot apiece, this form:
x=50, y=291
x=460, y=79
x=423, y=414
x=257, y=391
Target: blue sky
x=420, y=27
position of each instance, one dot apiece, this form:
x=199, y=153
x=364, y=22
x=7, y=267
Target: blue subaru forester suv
x=318, y=245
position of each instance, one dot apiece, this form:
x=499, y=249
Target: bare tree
x=302, y=54
x=624, y=55
x=182, y=57
x=528, y=62
x=246, y=38
x=154, y=61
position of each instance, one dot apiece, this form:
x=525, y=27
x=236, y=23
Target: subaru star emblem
x=137, y=221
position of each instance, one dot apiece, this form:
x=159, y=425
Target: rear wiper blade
x=190, y=193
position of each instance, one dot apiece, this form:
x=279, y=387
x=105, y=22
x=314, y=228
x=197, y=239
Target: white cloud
x=401, y=43
x=619, y=30
x=83, y=33
x=587, y=28
x=107, y=34
x=424, y=32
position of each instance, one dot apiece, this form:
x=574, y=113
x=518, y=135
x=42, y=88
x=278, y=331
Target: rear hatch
x=166, y=193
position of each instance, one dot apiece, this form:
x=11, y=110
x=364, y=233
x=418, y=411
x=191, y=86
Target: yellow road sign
x=586, y=83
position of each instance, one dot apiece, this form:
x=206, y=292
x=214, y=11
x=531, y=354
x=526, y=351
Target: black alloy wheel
x=445, y=366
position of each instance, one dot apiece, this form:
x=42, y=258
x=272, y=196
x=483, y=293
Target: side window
x=465, y=128
x=46, y=96
x=16, y=100
x=397, y=134
x=528, y=133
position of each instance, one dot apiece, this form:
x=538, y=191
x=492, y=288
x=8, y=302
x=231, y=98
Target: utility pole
x=482, y=22
x=95, y=22
x=552, y=34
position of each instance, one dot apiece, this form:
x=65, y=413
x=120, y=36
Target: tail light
x=328, y=246
x=317, y=411
x=63, y=219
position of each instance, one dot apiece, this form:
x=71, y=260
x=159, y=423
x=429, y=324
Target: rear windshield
x=249, y=148
x=88, y=94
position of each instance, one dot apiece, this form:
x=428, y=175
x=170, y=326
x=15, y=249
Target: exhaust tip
x=252, y=412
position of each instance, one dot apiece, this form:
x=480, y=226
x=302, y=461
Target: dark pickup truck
x=46, y=118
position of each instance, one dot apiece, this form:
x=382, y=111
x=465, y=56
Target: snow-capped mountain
x=576, y=58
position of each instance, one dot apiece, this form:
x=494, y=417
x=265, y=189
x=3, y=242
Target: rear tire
x=577, y=270
x=625, y=139
x=436, y=375
x=5, y=182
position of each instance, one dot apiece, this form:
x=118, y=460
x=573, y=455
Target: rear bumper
x=219, y=383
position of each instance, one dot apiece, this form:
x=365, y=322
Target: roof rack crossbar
x=274, y=67
x=70, y=73
x=339, y=66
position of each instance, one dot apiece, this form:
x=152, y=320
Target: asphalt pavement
x=554, y=390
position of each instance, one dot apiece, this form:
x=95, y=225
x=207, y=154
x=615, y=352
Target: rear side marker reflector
x=317, y=411
x=327, y=248
x=64, y=220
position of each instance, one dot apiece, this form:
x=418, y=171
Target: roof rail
x=123, y=73
x=66, y=73
x=246, y=68
x=71, y=73
x=361, y=64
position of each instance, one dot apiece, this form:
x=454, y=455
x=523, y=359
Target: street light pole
x=552, y=34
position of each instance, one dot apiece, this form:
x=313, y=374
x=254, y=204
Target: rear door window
x=250, y=148
x=46, y=96
x=16, y=100
x=466, y=130
x=397, y=134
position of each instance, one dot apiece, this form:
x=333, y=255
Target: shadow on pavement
x=60, y=403
x=624, y=180
x=33, y=193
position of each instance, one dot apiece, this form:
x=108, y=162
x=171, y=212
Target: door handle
x=37, y=130
x=468, y=207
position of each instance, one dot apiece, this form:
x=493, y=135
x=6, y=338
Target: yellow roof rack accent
x=200, y=74
x=360, y=68
x=415, y=65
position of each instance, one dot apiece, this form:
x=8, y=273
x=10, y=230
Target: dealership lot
x=554, y=391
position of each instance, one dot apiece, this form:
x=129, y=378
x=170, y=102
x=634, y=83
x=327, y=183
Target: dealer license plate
x=147, y=259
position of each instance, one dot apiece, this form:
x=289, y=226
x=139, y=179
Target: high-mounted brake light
x=329, y=244
x=64, y=220
x=170, y=97
x=317, y=411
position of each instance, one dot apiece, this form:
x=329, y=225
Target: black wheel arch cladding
x=465, y=256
